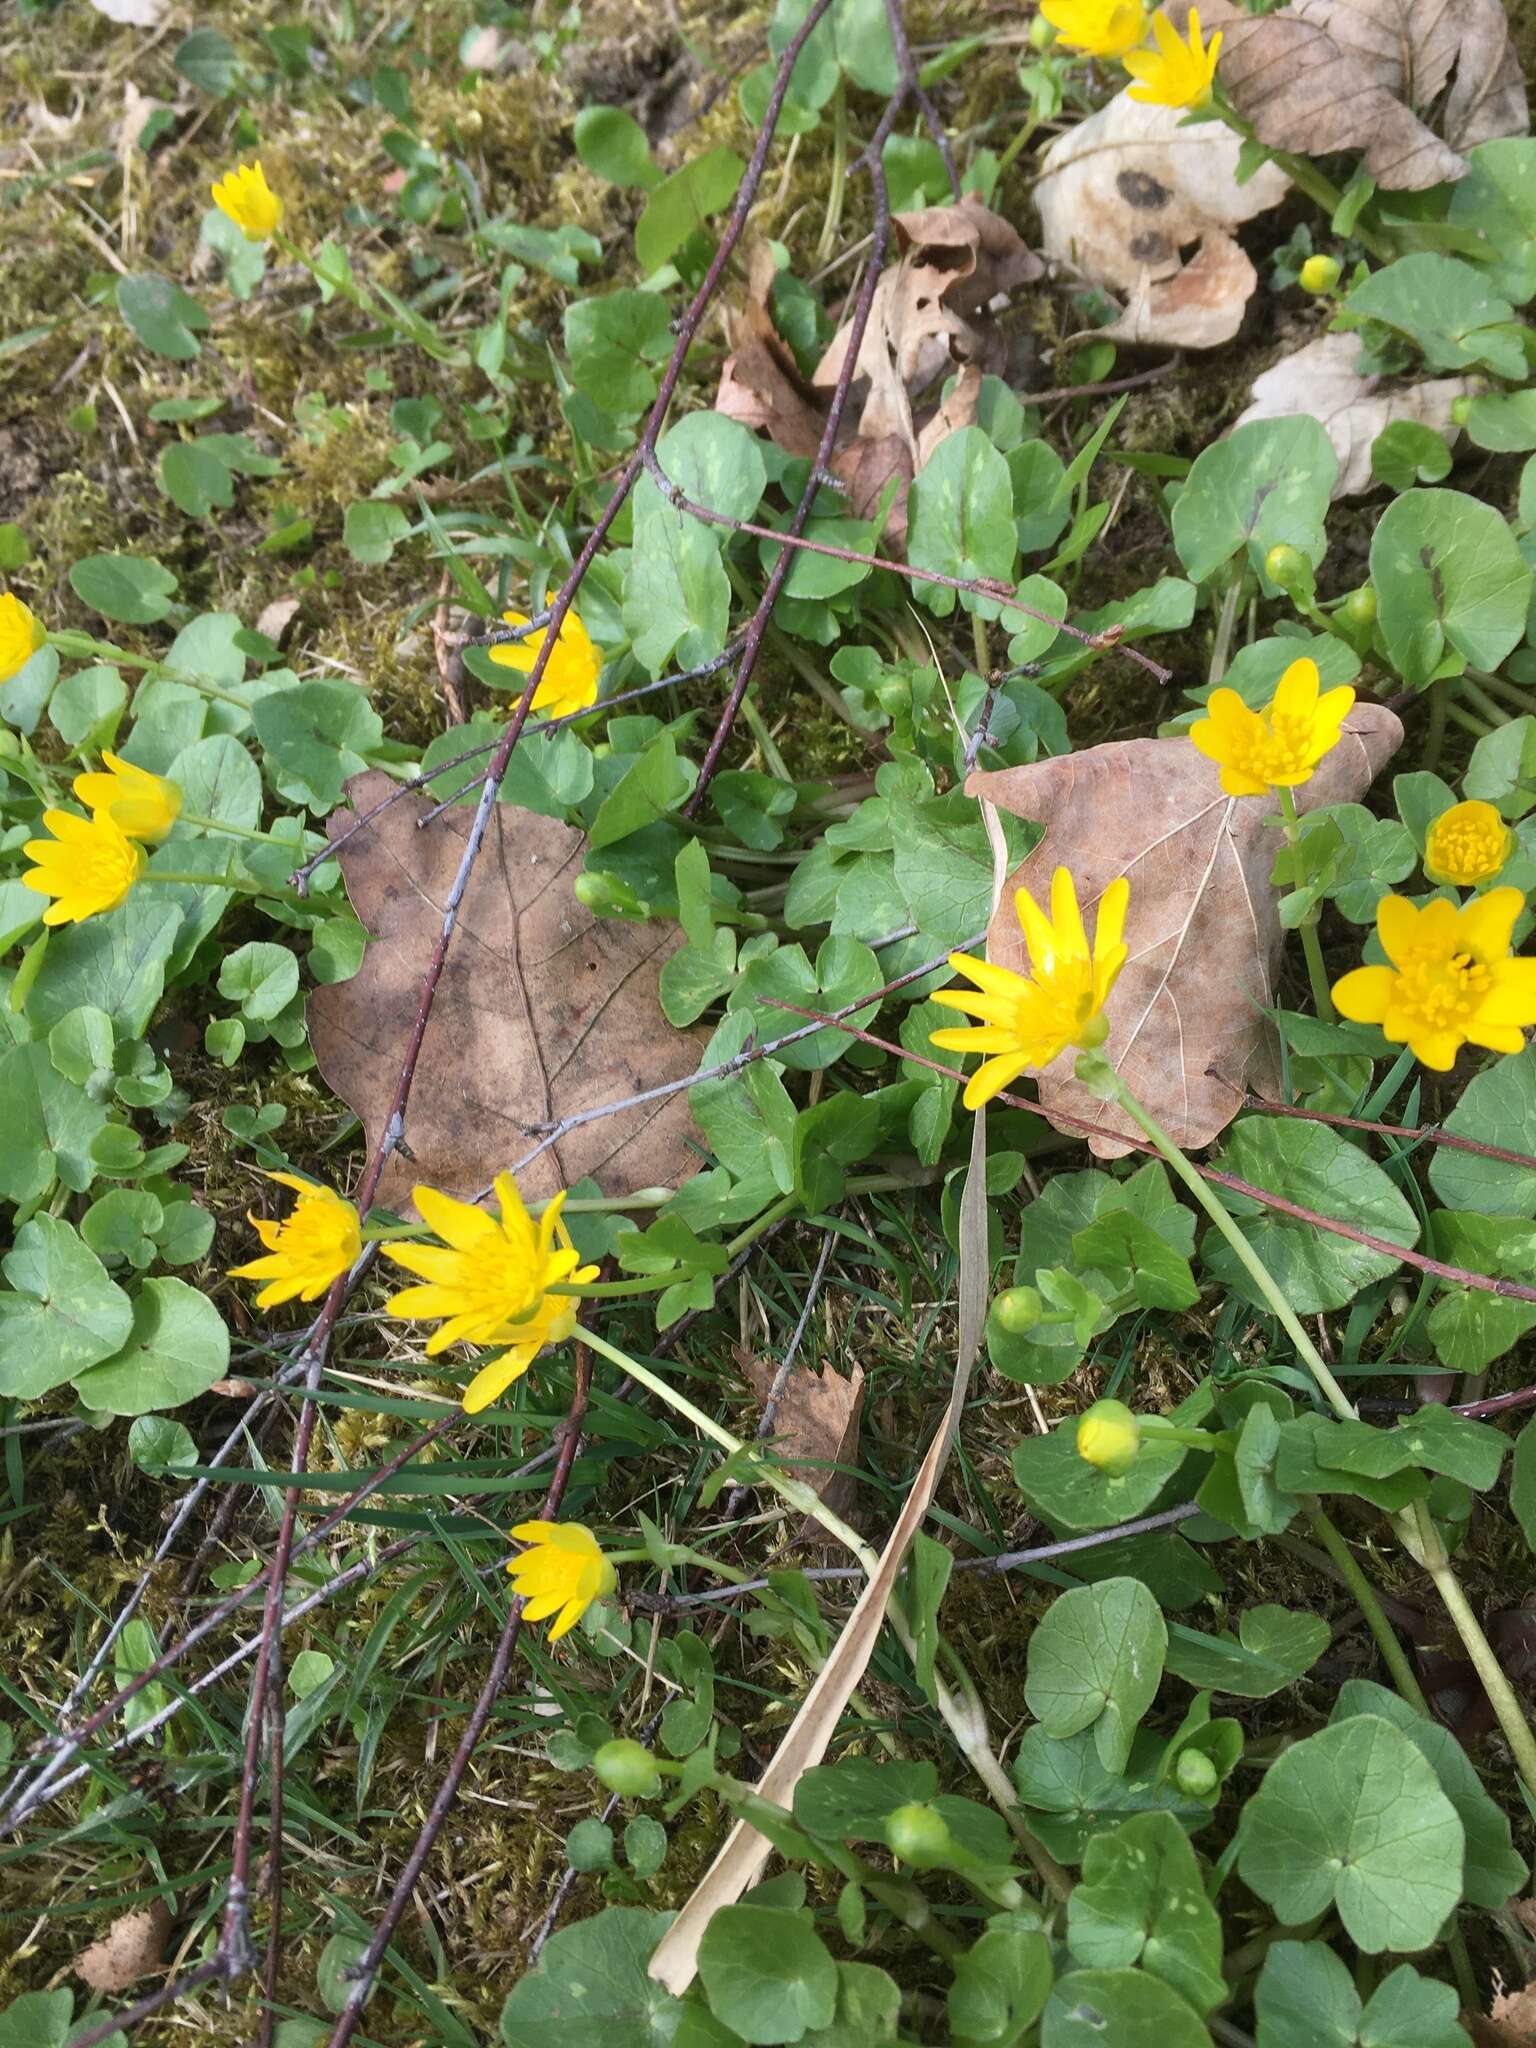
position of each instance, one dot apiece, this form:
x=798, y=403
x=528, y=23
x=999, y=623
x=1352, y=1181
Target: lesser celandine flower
x=245, y=197
x=1108, y=1436
x=318, y=1241
x=1468, y=844
x=88, y=866
x=1280, y=746
x=1100, y=28
x=1318, y=274
x=562, y=1571
x=488, y=1282
x=1452, y=980
x=21, y=635
x=569, y=681
x=1177, y=73
x=1029, y=1020
x=142, y=805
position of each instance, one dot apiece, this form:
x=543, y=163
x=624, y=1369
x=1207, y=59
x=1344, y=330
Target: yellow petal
x=1066, y=917
x=1397, y=926
x=1363, y=995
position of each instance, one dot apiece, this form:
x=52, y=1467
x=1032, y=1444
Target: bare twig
x=1429, y=1134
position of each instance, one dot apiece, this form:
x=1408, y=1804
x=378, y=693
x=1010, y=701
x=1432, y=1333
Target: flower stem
x=1422, y=1541
x=80, y=645
x=1311, y=945
x=1211, y=1202
x=233, y=831
x=1392, y=1652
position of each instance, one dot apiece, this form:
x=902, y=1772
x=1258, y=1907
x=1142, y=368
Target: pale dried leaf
x=815, y=1429
x=1511, y=2023
x=133, y=13
x=744, y=1850
x=1123, y=193
x=1524, y=1911
x=542, y=1009
x=1203, y=928
x=1322, y=380
x=1326, y=75
x=1200, y=306
x=275, y=618
x=131, y=1947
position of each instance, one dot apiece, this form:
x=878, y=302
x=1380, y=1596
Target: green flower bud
x=1194, y=1773
x=1359, y=608
x=1018, y=1310
x=627, y=1768
x=1461, y=411
x=1320, y=274
x=10, y=746
x=1287, y=566
x=1109, y=1436
x=607, y=895
x=919, y=1836
x=1041, y=34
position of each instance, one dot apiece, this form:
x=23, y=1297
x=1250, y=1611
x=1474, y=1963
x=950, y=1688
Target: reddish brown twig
x=1430, y=1134
x=1460, y=1276
x=366, y=1969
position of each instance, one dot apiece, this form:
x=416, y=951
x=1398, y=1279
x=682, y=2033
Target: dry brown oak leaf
x=815, y=1429
x=1372, y=75
x=542, y=1009
x=1185, y=1029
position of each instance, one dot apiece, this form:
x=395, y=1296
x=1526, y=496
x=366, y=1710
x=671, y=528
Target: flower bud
x=1287, y=566
x=1018, y=1310
x=1468, y=844
x=919, y=1836
x=627, y=1768
x=1359, y=608
x=1319, y=274
x=1461, y=411
x=1041, y=34
x=1109, y=1436
x=1194, y=1773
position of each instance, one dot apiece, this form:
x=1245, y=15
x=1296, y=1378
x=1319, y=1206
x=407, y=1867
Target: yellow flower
x=142, y=805
x=249, y=201
x=320, y=1240
x=569, y=683
x=21, y=635
x=489, y=1282
x=1468, y=844
x=1028, y=1020
x=1109, y=1436
x=1102, y=28
x=1452, y=979
x=561, y=1568
x=88, y=866
x=1176, y=73
x=1318, y=274
x=1279, y=746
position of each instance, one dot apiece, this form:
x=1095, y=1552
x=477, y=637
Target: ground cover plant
x=768, y=795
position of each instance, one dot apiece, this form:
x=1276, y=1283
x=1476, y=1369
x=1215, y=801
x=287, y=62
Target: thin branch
x=1431, y=1134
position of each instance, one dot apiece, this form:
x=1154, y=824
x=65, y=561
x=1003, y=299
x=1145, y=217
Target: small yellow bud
x=1320, y=274
x=1109, y=1436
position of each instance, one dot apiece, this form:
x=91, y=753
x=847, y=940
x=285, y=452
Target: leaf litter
x=1187, y=1029
x=543, y=1009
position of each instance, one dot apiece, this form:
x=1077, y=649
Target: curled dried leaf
x=815, y=1428
x=1412, y=83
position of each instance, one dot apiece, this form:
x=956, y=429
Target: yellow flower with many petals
x=1468, y=844
x=21, y=635
x=569, y=681
x=1100, y=28
x=1177, y=73
x=1452, y=980
x=246, y=198
x=488, y=1282
x=561, y=1572
x=318, y=1241
x=1280, y=746
x=88, y=866
x=1029, y=1020
x=142, y=805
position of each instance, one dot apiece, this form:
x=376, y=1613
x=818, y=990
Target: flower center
x=1282, y=749
x=1445, y=989
x=1467, y=850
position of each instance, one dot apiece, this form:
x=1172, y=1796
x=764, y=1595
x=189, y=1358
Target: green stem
x=1311, y=944
x=1483, y=702
x=1422, y=1540
x=835, y=183
x=1392, y=1653
x=80, y=645
x=1211, y=1202
x=1306, y=177
x=235, y=831
x=195, y=881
